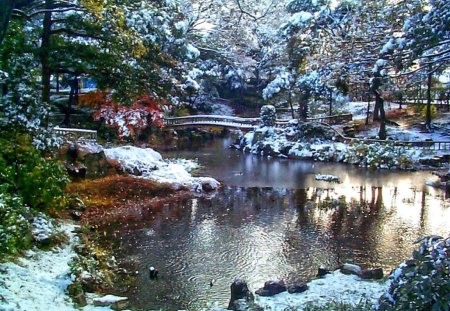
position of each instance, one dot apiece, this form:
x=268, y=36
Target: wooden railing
x=72, y=134
x=212, y=120
x=244, y=123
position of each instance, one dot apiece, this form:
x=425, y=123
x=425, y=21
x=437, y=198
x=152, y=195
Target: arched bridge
x=242, y=123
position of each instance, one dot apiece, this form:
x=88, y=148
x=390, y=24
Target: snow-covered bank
x=149, y=164
x=306, y=140
x=333, y=287
x=39, y=281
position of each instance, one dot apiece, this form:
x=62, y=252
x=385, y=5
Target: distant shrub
x=268, y=115
x=422, y=283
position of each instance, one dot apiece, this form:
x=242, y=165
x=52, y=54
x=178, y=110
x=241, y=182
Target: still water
x=272, y=220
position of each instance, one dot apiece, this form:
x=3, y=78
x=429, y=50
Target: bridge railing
x=211, y=120
x=75, y=134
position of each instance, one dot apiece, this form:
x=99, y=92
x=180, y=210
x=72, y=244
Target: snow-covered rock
x=43, y=228
x=149, y=164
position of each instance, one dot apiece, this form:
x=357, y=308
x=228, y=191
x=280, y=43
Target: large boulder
x=239, y=290
x=272, y=288
x=94, y=159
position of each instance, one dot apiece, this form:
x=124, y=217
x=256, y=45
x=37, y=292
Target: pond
x=272, y=220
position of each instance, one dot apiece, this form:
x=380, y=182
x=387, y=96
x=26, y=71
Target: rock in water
x=272, y=288
x=372, y=274
x=297, y=287
x=239, y=290
x=322, y=272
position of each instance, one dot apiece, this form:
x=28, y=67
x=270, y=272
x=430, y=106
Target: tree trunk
x=44, y=51
x=5, y=15
x=303, y=106
x=380, y=102
x=290, y=104
x=428, y=114
x=330, y=104
x=368, y=107
x=72, y=97
x=376, y=111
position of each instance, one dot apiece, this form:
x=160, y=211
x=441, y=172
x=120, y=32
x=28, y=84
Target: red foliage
x=146, y=111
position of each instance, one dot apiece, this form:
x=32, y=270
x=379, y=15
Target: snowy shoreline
x=314, y=141
x=39, y=280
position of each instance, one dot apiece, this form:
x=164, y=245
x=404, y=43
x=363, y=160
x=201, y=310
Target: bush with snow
x=15, y=229
x=421, y=283
x=378, y=155
x=268, y=115
x=29, y=184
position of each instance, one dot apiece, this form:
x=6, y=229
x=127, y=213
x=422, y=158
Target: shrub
x=422, y=283
x=23, y=171
x=268, y=115
x=15, y=229
x=378, y=155
x=29, y=184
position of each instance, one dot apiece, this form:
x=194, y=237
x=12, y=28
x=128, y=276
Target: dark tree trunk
x=330, y=103
x=428, y=113
x=290, y=104
x=380, y=103
x=368, y=107
x=5, y=15
x=73, y=96
x=44, y=51
x=376, y=111
x=303, y=106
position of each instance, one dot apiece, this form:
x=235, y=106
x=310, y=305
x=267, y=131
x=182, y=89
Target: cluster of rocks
x=242, y=299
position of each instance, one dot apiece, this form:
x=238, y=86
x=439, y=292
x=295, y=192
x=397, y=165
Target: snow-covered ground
x=149, y=164
x=336, y=287
x=38, y=281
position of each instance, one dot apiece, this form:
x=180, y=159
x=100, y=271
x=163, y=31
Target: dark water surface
x=272, y=220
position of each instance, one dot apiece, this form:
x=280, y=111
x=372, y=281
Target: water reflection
x=264, y=233
x=273, y=220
